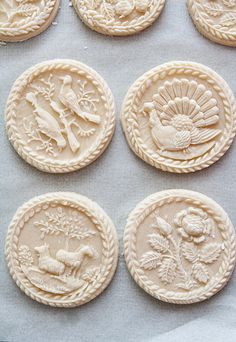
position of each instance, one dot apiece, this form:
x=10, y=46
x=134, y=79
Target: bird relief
x=14, y=10
x=182, y=118
x=60, y=124
x=181, y=254
x=221, y=13
x=60, y=270
x=112, y=10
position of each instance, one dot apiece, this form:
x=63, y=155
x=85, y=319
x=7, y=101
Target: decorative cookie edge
x=44, y=164
x=209, y=31
x=112, y=247
x=139, y=86
x=129, y=246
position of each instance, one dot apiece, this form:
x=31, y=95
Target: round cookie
x=180, y=246
x=179, y=117
x=118, y=17
x=60, y=116
x=61, y=249
x=216, y=19
x=24, y=19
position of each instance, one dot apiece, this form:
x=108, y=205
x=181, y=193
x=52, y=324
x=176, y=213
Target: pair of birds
x=48, y=124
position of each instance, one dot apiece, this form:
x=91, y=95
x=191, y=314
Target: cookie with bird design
x=179, y=117
x=180, y=246
x=60, y=116
x=24, y=19
x=118, y=17
x=61, y=249
x=215, y=19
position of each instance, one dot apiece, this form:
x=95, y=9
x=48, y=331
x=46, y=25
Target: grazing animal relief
x=74, y=260
x=48, y=264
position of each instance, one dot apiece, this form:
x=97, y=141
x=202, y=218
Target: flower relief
x=113, y=10
x=183, y=117
x=222, y=11
x=64, y=269
x=13, y=10
x=182, y=251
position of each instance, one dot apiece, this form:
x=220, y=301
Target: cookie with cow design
x=179, y=117
x=24, y=19
x=61, y=249
x=180, y=246
x=60, y=116
x=215, y=19
x=118, y=17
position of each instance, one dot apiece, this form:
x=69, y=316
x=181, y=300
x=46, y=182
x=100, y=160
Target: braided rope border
x=31, y=25
x=207, y=29
x=48, y=164
x=104, y=226
x=132, y=103
x=123, y=28
x=145, y=208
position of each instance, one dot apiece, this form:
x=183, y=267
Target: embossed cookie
x=179, y=117
x=180, y=246
x=61, y=249
x=215, y=19
x=60, y=116
x=24, y=19
x=118, y=17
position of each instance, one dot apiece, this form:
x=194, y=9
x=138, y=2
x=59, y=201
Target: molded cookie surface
x=61, y=249
x=180, y=246
x=118, y=17
x=179, y=117
x=24, y=19
x=60, y=116
x=215, y=19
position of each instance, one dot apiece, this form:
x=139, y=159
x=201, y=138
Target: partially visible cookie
x=215, y=19
x=179, y=117
x=60, y=116
x=24, y=19
x=180, y=246
x=61, y=249
x=118, y=17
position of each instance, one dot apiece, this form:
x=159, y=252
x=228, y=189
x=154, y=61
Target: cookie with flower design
x=179, y=117
x=118, y=17
x=215, y=19
x=24, y=19
x=180, y=246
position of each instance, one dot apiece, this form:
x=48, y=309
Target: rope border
x=109, y=248
x=149, y=204
x=125, y=28
x=48, y=164
x=31, y=25
x=134, y=97
x=206, y=29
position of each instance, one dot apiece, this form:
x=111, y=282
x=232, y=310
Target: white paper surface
x=118, y=180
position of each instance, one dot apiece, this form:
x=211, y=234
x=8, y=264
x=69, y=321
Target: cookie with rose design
x=180, y=246
x=215, y=19
x=179, y=117
x=118, y=17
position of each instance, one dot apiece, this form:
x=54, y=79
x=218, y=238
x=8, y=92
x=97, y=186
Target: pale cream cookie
x=61, y=249
x=179, y=117
x=118, y=17
x=180, y=246
x=24, y=19
x=60, y=116
x=215, y=19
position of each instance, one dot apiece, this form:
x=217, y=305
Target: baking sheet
x=118, y=180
